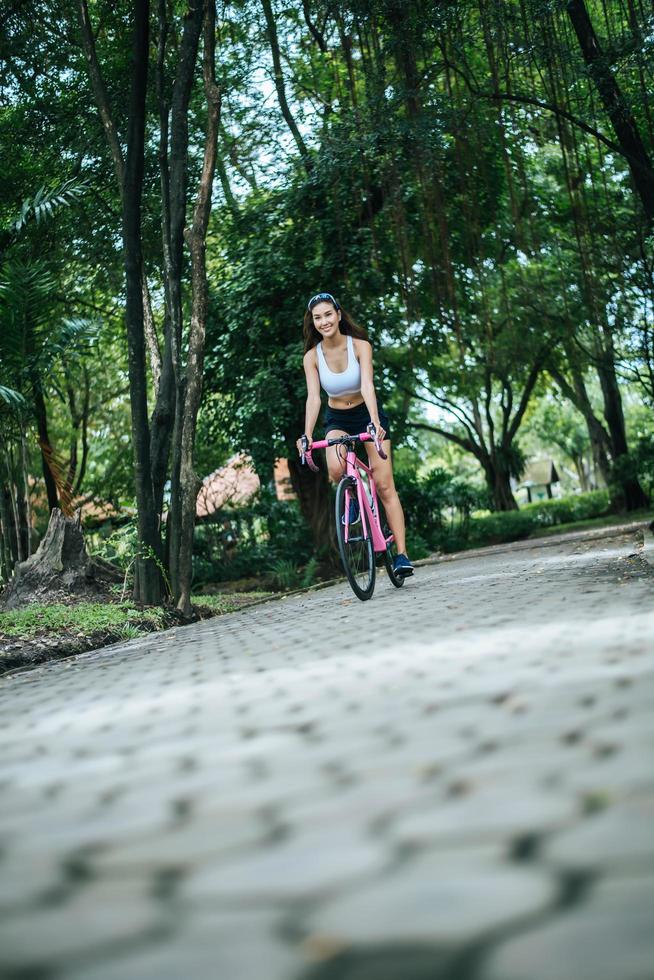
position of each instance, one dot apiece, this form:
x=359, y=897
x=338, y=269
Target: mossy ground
x=40, y=632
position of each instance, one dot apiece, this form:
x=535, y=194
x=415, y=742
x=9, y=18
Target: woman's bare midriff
x=348, y=401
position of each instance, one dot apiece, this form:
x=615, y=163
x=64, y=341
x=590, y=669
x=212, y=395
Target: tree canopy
x=472, y=179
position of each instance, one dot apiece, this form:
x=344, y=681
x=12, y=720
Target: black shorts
x=353, y=420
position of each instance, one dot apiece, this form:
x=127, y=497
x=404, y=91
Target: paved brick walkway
x=452, y=782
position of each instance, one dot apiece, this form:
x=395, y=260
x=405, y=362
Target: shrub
x=566, y=510
x=514, y=525
x=416, y=545
x=120, y=546
x=241, y=542
x=643, y=454
x=437, y=509
x=269, y=536
x=287, y=574
x=510, y=525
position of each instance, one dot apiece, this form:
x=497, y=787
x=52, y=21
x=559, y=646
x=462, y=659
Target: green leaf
x=12, y=398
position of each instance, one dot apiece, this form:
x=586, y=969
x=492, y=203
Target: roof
x=234, y=483
x=539, y=473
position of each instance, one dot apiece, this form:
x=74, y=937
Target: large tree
x=167, y=438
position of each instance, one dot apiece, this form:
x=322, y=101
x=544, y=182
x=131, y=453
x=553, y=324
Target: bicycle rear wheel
x=357, y=554
x=389, y=555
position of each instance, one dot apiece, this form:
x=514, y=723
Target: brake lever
x=378, y=444
x=306, y=455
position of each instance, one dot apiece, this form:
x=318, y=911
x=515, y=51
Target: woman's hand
x=300, y=448
x=380, y=430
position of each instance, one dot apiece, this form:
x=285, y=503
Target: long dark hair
x=347, y=326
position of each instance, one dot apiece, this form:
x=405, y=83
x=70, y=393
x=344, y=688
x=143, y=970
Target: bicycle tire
x=357, y=554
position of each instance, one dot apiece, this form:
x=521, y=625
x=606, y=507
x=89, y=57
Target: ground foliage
x=66, y=626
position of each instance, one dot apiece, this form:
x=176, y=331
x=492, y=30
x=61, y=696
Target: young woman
x=338, y=357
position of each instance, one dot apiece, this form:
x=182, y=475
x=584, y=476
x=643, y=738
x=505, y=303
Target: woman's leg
x=335, y=456
x=382, y=471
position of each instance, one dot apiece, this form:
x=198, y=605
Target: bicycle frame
x=369, y=516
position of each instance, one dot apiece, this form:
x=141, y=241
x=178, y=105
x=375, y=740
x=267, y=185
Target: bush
x=643, y=454
x=437, y=508
x=515, y=525
x=287, y=574
x=242, y=542
x=269, y=537
x=567, y=510
x=416, y=545
x=510, y=525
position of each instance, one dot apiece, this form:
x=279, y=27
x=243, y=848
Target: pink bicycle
x=359, y=530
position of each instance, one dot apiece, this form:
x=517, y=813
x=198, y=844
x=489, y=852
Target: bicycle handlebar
x=369, y=436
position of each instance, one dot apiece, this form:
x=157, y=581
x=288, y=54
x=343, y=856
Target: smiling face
x=326, y=319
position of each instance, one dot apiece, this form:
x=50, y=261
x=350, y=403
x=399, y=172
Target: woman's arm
x=313, y=392
x=364, y=351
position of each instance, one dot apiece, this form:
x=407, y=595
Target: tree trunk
x=60, y=564
x=173, y=159
x=498, y=480
x=22, y=512
x=44, y=441
x=599, y=439
x=9, y=538
x=147, y=578
x=101, y=96
x=624, y=124
x=579, y=465
x=189, y=481
x=20, y=550
x=630, y=495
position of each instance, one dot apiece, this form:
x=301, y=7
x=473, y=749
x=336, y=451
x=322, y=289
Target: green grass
x=80, y=619
x=221, y=603
x=122, y=619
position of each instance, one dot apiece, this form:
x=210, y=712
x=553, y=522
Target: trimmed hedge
x=567, y=510
x=515, y=525
x=511, y=525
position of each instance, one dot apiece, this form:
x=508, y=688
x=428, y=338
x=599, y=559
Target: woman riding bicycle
x=338, y=356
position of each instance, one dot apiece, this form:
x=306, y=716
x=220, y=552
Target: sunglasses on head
x=320, y=298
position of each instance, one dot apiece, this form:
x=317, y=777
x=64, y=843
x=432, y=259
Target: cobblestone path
x=451, y=782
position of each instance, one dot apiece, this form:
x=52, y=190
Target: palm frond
x=70, y=336
x=27, y=289
x=13, y=399
x=27, y=307
x=33, y=335
x=47, y=200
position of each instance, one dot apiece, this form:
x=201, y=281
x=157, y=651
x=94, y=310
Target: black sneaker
x=402, y=566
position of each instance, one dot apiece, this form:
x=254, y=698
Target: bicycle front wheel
x=357, y=554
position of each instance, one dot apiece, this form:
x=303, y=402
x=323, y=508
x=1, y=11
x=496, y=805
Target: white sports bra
x=336, y=383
